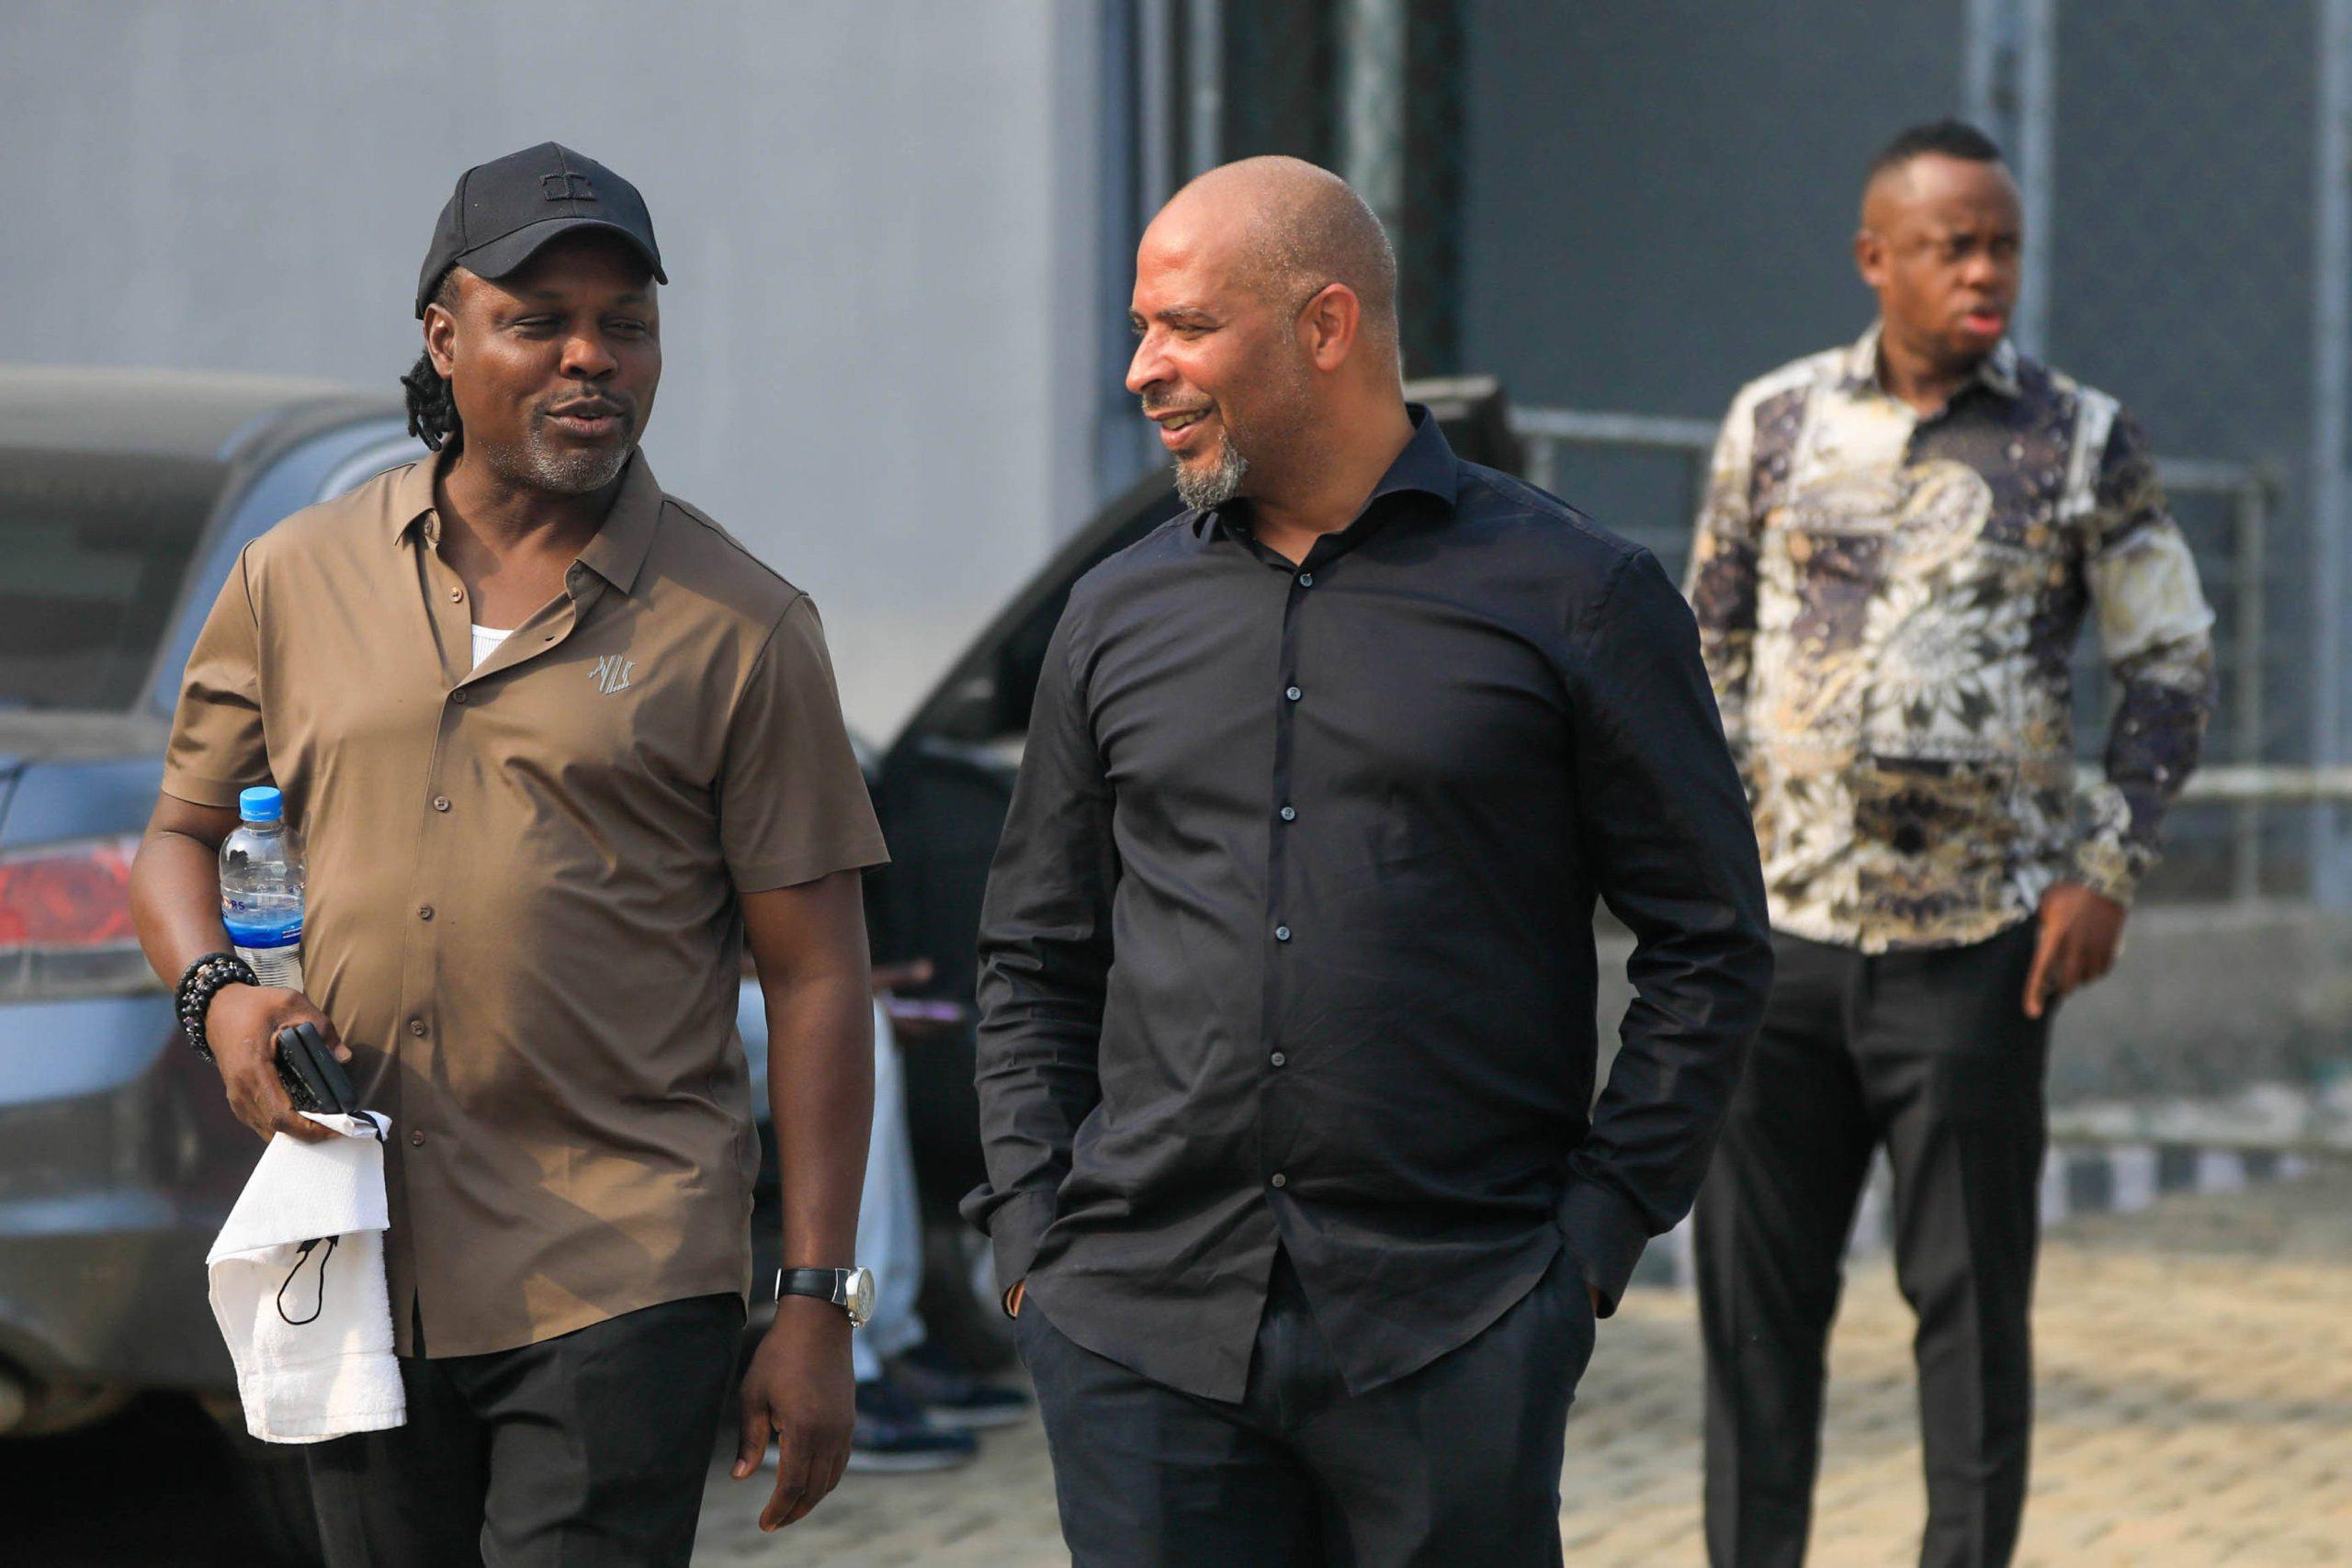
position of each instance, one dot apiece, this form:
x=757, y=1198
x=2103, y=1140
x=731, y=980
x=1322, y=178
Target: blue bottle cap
x=262, y=805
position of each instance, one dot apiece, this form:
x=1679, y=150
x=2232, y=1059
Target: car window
x=95, y=545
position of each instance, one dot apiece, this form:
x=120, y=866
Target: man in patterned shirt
x=1900, y=543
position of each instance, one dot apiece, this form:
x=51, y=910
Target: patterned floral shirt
x=1888, y=603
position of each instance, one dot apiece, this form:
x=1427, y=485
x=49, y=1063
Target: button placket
x=1279, y=890
x=422, y=962
x=449, y=605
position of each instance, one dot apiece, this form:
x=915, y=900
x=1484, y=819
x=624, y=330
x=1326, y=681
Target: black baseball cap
x=502, y=212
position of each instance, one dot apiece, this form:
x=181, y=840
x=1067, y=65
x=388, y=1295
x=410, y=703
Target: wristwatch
x=852, y=1290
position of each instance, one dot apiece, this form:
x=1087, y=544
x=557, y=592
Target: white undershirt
x=486, y=641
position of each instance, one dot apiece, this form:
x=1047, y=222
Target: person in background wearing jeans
x=1287, y=1051
x=1900, y=543
x=560, y=749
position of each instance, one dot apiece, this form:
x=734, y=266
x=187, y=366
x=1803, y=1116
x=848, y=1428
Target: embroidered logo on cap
x=567, y=187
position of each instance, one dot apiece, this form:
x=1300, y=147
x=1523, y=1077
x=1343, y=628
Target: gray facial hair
x=564, y=470
x=1219, y=485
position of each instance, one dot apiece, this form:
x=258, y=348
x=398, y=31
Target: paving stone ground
x=2194, y=1388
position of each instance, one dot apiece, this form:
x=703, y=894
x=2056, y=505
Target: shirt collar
x=1996, y=372
x=1427, y=467
x=1427, y=463
x=615, y=553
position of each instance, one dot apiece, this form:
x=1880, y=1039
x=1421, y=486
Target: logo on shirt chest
x=612, y=673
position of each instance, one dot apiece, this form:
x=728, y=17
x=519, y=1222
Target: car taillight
x=65, y=927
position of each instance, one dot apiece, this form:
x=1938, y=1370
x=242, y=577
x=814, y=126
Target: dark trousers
x=587, y=1449
x=1456, y=1463
x=1932, y=1054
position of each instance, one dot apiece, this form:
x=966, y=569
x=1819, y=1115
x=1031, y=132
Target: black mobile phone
x=314, y=1080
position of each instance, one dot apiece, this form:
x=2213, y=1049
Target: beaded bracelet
x=206, y=979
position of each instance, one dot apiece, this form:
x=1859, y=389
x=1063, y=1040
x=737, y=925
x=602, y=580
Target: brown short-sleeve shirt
x=522, y=906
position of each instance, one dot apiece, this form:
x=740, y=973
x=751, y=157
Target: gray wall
x=1659, y=199
x=874, y=218
x=2181, y=268
x=1659, y=203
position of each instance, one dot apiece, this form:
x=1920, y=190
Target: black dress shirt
x=1289, y=940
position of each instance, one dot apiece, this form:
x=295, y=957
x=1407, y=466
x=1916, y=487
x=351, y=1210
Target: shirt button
x=1291, y=693
x=425, y=911
x=459, y=696
x=440, y=803
x=416, y=1140
x=1307, y=579
x=1281, y=933
x=1279, y=1179
x=416, y=1026
x=1290, y=813
x=456, y=594
x=1278, y=1058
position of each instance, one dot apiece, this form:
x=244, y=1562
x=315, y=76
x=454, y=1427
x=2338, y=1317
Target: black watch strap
x=825, y=1284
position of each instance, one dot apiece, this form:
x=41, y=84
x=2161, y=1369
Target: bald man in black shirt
x=1287, y=1060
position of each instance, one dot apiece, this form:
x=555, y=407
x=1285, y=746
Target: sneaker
x=894, y=1435
x=953, y=1398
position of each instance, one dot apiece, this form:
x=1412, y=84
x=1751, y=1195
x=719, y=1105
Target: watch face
x=857, y=1292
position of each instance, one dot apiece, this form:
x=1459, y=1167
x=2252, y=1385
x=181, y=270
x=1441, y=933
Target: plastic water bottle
x=261, y=889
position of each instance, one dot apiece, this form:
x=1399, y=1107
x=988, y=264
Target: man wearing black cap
x=561, y=749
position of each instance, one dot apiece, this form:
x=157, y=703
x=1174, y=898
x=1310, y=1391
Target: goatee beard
x=566, y=471
x=1201, y=490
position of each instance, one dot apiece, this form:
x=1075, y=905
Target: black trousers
x=1456, y=1463
x=1932, y=1054
x=587, y=1449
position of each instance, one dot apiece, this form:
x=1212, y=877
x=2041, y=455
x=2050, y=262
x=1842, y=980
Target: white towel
x=310, y=1330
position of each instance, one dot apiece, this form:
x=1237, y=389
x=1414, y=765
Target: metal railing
x=2246, y=493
